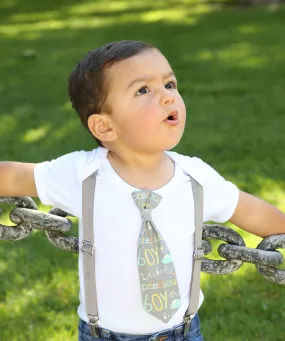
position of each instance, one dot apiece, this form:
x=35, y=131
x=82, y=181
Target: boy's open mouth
x=172, y=118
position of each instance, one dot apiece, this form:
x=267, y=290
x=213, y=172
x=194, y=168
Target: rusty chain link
x=266, y=258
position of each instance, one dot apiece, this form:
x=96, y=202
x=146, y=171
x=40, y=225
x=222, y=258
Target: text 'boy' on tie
x=158, y=282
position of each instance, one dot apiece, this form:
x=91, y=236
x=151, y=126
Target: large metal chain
x=266, y=258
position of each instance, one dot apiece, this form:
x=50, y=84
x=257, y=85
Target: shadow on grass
x=21, y=12
x=242, y=306
x=40, y=287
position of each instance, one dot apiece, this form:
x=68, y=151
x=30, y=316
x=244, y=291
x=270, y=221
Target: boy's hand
x=17, y=179
x=257, y=216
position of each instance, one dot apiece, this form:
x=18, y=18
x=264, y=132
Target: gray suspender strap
x=198, y=255
x=88, y=253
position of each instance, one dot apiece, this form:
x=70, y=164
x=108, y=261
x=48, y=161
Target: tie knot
x=146, y=201
x=146, y=214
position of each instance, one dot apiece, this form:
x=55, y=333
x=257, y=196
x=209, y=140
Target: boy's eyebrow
x=148, y=79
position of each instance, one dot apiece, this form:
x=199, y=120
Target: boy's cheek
x=149, y=115
x=182, y=113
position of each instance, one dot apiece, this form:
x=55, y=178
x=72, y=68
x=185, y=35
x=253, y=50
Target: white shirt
x=117, y=225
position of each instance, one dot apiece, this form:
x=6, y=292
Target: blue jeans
x=173, y=334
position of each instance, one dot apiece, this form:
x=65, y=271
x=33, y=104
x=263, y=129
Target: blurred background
x=229, y=57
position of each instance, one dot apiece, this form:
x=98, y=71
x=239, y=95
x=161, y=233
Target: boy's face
x=142, y=93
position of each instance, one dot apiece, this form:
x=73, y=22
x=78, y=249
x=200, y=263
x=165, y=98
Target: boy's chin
x=168, y=146
x=172, y=144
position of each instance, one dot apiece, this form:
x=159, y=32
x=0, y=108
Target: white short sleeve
x=58, y=181
x=220, y=196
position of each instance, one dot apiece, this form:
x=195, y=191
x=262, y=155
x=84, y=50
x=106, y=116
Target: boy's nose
x=167, y=99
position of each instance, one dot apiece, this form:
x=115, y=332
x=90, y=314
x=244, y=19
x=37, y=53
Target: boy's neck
x=139, y=161
x=143, y=170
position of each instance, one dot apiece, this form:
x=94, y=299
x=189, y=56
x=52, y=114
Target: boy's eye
x=142, y=91
x=173, y=85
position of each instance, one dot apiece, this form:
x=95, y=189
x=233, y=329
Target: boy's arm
x=257, y=216
x=17, y=179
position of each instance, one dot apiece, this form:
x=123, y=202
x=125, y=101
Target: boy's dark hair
x=86, y=83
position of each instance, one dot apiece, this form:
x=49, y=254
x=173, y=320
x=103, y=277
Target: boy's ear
x=100, y=126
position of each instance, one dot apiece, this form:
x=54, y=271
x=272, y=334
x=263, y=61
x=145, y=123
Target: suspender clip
x=93, y=324
x=87, y=248
x=199, y=253
x=187, y=320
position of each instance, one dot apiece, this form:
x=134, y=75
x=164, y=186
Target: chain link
x=265, y=257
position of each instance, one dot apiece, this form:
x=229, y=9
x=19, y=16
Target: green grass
x=230, y=66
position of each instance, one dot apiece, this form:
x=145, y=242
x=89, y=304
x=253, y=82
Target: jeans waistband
x=159, y=336
x=172, y=333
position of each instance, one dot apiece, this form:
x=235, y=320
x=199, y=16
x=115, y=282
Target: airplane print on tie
x=158, y=282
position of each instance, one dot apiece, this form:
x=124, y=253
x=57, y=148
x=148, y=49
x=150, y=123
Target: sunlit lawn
x=230, y=67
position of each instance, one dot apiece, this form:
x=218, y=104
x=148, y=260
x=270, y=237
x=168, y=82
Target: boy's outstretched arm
x=17, y=179
x=257, y=216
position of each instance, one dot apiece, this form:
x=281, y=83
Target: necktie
x=158, y=282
